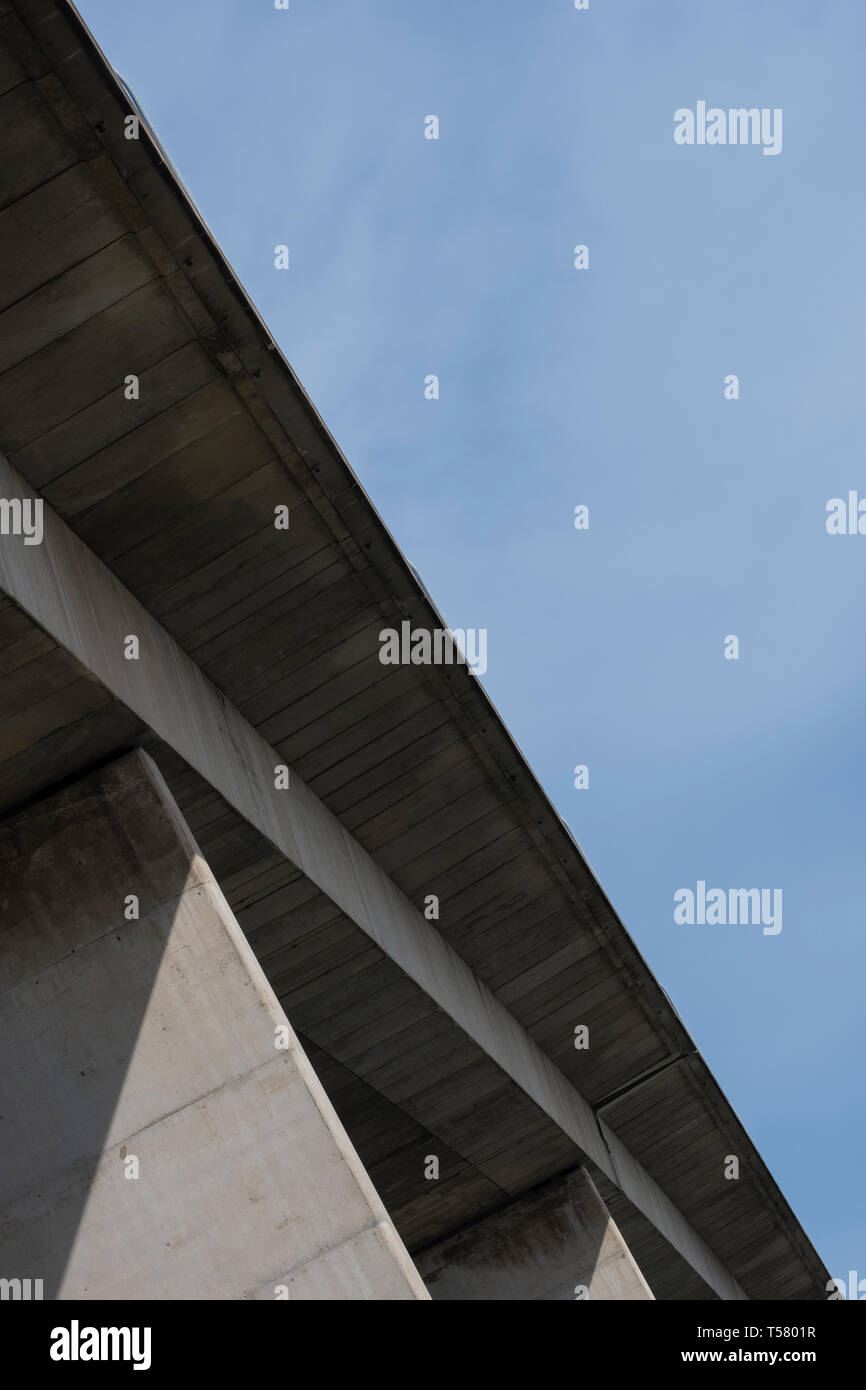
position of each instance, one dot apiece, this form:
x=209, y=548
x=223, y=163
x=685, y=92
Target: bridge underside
x=406, y=1079
x=453, y=1036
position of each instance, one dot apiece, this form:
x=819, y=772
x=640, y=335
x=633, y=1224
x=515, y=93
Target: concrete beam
x=71, y=593
x=558, y=1243
x=166, y=1136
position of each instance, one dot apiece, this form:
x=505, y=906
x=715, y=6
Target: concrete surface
x=155, y=1141
x=77, y=599
x=556, y=1243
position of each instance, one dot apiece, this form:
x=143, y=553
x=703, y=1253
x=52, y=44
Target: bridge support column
x=162, y=1134
x=558, y=1242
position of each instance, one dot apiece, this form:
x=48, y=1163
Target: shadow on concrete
x=76, y=977
x=555, y=1243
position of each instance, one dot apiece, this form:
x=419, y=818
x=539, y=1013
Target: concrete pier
x=558, y=1242
x=163, y=1135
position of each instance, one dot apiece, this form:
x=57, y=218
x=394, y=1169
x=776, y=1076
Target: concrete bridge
x=293, y=946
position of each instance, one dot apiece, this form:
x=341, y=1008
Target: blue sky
x=602, y=387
